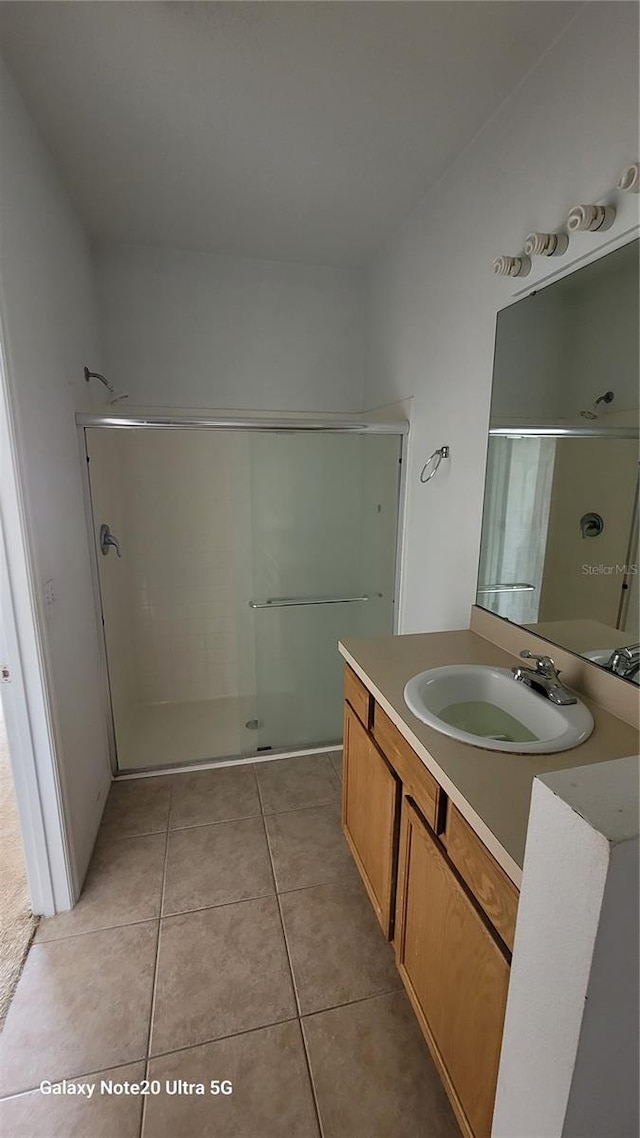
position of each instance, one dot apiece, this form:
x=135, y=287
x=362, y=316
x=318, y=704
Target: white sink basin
x=488, y=708
x=602, y=656
x=599, y=655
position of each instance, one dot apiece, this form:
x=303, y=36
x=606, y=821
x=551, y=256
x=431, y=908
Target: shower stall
x=232, y=555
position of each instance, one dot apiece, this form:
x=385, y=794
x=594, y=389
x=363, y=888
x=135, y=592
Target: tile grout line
x=218, y=905
x=127, y=837
x=223, y=1038
x=296, y=997
x=305, y=1042
x=339, y=773
x=73, y=1078
x=214, y=822
x=282, y=926
x=271, y=865
x=259, y=792
x=314, y=1093
x=294, y=986
x=298, y=809
x=157, y=959
x=352, y=1003
x=98, y=929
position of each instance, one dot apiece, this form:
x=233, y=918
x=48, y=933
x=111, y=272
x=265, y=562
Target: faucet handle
x=544, y=664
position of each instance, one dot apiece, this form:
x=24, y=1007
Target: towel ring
x=434, y=462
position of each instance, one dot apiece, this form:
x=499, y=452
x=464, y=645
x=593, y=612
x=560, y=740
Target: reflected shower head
x=592, y=412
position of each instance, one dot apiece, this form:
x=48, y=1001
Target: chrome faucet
x=625, y=661
x=543, y=678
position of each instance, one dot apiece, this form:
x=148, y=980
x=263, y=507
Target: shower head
x=116, y=396
x=592, y=412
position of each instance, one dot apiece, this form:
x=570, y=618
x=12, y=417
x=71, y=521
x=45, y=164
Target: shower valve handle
x=107, y=539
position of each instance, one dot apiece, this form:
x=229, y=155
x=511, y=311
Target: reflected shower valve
x=591, y=525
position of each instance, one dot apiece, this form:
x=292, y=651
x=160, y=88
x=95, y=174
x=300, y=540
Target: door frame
x=26, y=699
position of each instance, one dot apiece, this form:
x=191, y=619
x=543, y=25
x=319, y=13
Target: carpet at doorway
x=17, y=922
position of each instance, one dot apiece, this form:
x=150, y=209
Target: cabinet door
x=455, y=972
x=370, y=805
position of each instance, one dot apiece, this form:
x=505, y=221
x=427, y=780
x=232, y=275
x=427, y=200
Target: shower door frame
x=140, y=420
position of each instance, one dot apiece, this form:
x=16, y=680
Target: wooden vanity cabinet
x=370, y=816
x=455, y=971
x=439, y=894
x=358, y=697
x=496, y=895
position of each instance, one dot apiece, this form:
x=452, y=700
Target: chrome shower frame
x=139, y=420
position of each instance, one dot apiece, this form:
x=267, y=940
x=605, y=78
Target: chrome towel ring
x=433, y=463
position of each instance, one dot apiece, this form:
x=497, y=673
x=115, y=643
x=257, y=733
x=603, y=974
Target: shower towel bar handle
x=507, y=587
x=294, y=602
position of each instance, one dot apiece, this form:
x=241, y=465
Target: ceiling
x=288, y=131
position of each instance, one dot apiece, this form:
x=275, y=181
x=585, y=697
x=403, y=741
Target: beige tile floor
x=223, y=934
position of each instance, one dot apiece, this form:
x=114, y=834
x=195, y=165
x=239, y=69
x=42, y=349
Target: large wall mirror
x=559, y=551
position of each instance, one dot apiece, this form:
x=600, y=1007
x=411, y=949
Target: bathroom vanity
x=437, y=829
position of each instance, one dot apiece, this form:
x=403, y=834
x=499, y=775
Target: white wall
x=561, y=138
x=48, y=318
x=604, y=1091
x=189, y=329
x=569, y=1061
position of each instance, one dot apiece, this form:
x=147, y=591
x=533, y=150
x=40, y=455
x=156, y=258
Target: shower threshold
x=227, y=761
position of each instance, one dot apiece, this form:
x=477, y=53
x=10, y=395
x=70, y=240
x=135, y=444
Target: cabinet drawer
x=417, y=780
x=491, y=887
x=358, y=696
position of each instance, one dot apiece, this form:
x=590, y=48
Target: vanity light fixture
x=512, y=266
x=546, y=244
x=629, y=180
x=591, y=218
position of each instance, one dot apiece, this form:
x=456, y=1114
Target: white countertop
x=491, y=789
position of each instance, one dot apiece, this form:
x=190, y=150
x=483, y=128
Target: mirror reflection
x=559, y=551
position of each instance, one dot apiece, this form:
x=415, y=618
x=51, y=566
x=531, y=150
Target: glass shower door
x=324, y=510
x=177, y=627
